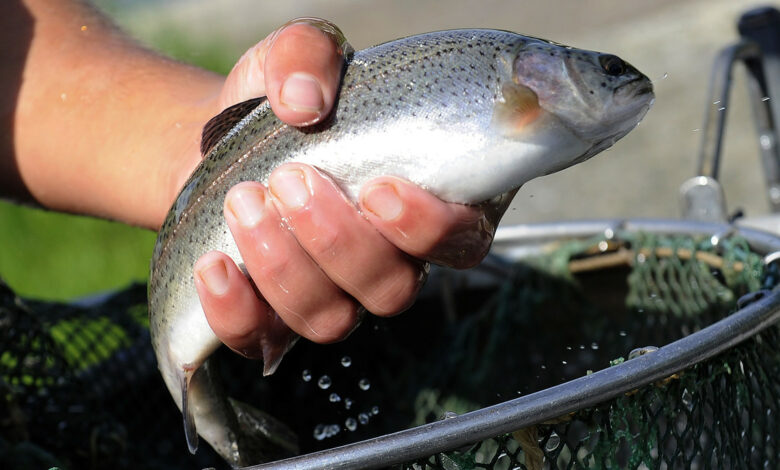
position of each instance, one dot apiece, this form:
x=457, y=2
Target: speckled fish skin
x=466, y=114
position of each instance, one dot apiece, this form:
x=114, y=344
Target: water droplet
x=666, y=75
x=374, y=410
x=568, y=348
x=363, y=418
x=641, y=258
x=324, y=382
x=766, y=98
x=346, y=361
x=582, y=347
x=722, y=108
x=364, y=384
x=696, y=130
x=334, y=398
x=594, y=346
x=449, y=415
x=564, y=362
x=333, y=429
x=544, y=366
x=320, y=432
x=306, y=375
x=622, y=333
x=351, y=424
x=603, y=246
x=552, y=442
x=716, y=102
x=348, y=403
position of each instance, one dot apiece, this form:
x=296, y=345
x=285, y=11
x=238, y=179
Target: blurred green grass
x=55, y=256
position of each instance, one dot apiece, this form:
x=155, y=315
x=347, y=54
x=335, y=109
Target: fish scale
x=467, y=114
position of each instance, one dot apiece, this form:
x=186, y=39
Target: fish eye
x=612, y=64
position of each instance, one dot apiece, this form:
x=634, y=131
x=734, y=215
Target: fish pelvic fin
x=275, y=349
x=190, y=430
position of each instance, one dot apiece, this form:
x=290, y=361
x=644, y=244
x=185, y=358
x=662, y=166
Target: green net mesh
x=81, y=390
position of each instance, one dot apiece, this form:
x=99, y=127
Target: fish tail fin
x=190, y=430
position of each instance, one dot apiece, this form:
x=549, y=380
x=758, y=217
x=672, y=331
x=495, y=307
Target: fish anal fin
x=190, y=430
x=518, y=109
x=221, y=124
x=263, y=435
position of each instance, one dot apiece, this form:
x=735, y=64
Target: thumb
x=298, y=67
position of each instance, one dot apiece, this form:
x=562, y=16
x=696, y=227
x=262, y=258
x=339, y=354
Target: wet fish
x=468, y=114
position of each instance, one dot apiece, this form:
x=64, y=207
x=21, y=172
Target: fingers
x=289, y=280
x=316, y=274
x=298, y=67
x=343, y=243
x=422, y=225
x=238, y=317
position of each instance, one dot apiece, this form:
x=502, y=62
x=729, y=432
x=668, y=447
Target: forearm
x=102, y=126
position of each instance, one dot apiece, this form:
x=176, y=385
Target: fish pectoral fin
x=221, y=124
x=190, y=431
x=518, y=109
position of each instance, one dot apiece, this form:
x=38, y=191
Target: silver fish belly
x=467, y=114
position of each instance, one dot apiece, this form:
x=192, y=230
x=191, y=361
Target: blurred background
x=54, y=256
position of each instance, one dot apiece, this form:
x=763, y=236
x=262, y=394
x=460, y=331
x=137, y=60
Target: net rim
x=583, y=392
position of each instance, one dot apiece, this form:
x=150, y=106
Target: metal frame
x=758, y=50
x=516, y=242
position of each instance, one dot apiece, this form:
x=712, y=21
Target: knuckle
x=396, y=293
x=274, y=268
x=324, y=245
x=336, y=323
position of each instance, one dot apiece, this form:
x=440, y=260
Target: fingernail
x=302, y=92
x=383, y=201
x=215, y=277
x=247, y=206
x=289, y=187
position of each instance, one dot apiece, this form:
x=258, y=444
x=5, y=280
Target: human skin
x=95, y=124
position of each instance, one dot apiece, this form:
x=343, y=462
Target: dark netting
x=81, y=388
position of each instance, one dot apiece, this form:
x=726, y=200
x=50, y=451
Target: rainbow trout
x=467, y=114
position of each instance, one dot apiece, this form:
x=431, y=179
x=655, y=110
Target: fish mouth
x=641, y=85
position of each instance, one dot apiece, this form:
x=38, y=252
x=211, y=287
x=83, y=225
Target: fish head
x=599, y=97
x=572, y=102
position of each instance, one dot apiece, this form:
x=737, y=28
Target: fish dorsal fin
x=221, y=124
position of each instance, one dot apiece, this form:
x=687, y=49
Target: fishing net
x=81, y=390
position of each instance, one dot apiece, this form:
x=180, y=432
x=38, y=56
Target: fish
x=470, y=115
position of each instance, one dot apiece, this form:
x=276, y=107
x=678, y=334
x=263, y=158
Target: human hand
x=313, y=257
